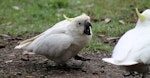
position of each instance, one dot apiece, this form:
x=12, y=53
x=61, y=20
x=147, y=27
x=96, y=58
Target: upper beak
x=141, y=16
x=87, y=26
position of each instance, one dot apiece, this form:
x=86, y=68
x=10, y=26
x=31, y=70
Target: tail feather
x=29, y=40
x=22, y=46
x=120, y=63
x=25, y=43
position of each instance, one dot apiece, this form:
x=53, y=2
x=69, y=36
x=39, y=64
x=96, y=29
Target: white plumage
x=133, y=48
x=62, y=41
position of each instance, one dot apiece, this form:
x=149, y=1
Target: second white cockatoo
x=62, y=41
x=132, y=51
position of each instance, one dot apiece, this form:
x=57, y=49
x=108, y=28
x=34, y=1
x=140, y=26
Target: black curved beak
x=87, y=26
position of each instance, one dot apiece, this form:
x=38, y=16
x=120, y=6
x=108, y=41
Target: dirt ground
x=13, y=64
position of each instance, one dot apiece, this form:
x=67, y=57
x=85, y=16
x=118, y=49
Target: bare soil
x=13, y=64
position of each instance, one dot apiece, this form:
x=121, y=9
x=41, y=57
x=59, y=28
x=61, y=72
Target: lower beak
x=87, y=29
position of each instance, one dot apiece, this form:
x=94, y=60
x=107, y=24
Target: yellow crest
x=141, y=16
x=69, y=19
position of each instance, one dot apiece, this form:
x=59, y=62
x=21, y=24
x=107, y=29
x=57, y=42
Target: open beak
x=141, y=16
x=87, y=29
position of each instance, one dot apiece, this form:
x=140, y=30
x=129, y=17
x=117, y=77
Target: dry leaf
x=109, y=40
x=102, y=38
x=131, y=21
x=30, y=77
x=16, y=7
x=113, y=40
x=121, y=22
x=7, y=37
x=8, y=61
x=107, y=20
x=28, y=53
x=4, y=36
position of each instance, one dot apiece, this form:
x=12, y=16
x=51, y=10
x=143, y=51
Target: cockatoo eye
x=79, y=23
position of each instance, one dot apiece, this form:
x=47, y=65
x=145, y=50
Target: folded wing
x=57, y=28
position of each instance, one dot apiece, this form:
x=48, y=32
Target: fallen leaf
x=7, y=37
x=30, y=77
x=131, y=21
x=107, y=20
x=102, y=38
x=28, y=53
x=4, y=36
x=112, y=40
x=16, y=7
x=109, y=40
x=8, y=61
x=121, y=22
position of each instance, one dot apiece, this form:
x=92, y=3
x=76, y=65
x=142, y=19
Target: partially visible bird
x=62, y=41
x=132, y=51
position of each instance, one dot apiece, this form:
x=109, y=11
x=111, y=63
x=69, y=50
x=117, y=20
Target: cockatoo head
x=144, y=17
x=80, y=24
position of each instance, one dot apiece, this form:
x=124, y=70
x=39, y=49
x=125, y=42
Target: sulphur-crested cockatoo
x=132, y=51
x=62, y=41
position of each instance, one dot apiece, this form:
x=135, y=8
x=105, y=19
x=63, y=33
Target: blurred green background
x=27, y=18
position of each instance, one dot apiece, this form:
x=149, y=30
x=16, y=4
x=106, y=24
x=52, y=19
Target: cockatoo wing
x=122, y=49
x=53, y=45
x=141, y=50
x=125, y=45
x=60, y=27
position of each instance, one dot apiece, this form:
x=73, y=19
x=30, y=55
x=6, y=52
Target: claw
x=80, y=58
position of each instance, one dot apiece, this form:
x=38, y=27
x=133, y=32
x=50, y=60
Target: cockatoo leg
x=77, y=57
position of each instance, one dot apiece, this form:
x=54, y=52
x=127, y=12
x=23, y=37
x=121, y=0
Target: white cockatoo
x=132, y=51
x=62, y=41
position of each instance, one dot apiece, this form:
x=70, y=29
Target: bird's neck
x=143, y=24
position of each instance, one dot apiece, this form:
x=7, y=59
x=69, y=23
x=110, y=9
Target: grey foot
x=77, y=57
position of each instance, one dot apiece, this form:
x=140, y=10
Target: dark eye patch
x=79, y=23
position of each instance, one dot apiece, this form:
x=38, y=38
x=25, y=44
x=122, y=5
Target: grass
x=35, y=16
